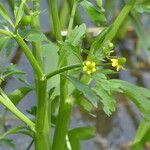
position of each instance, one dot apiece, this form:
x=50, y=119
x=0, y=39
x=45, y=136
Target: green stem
x=42, y=136
x=60, y=131
x=63, y=69
x=64, y=13
x=120, y=19
x=62, y=124
x=66, y=68
x=79, y=21
x=9, y=105
x=35, y=24
x=55, y=19
x=7, y=33
x=72, y=17
x=29, y=55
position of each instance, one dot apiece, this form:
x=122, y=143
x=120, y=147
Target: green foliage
x=139, y=96
x=3, y=41
x=143, y=7
x=144, y=38
x=58, y=77
x=15, y=130
x=9, y=143
x=17, y=95
x=142, y=135
x=79, y=134
x=77, y=35
x=35, y=36
x=4, y=14
x=104, y=91
x=95, y=14
x=85, y=89
x=26, y=20
x=19, y=12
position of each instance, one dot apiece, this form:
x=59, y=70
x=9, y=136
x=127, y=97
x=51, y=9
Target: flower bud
x=26, y=20
x=121, y=60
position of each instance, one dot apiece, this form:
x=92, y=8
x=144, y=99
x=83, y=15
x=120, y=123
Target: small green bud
x=111, y=45
x=99, y=3
x=121, y=60
x=26, y=20
x=104, y=48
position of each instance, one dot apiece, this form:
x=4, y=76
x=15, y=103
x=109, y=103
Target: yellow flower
x=115, y=63
x=89, y=67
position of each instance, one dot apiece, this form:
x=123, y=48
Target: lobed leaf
x=5, y=15
x=76, y=35
x=85, y=89
x=78, y=134
x=17, y=95
x=96, y=15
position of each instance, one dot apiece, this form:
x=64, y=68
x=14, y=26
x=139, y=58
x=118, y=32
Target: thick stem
x=64, y=13
x=29, y=56
x=65, y=106
x=35, y=24
x=55, y=19
x=62, y=124
x=42, y=136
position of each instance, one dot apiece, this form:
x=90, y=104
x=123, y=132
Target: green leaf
x=5, y=15
x=99, y=3
x=8, y=142
x=95, y=14
x=11, y=43
x=76, y=35
x=81, y=133
x=11, y=131
x=50, y=62
x=143, y=7
x=85, y=89
x=107, y=99
x=20, y=11
x=73, y=52
x=10, y=70
x=136, y=95
x=32, y=111
x=142, y=135
x=97, y=44
x=3, y=41
x=143, y=36
x=36, y=36
x=86, y=105
x=107, y=71
x=17, y=95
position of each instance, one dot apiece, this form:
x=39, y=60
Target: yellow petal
x=114, y=62
x=87, y=63
x=118, y=67
x=93, y=64
x=85, y=68
x=88, y=72
x=93, y=70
